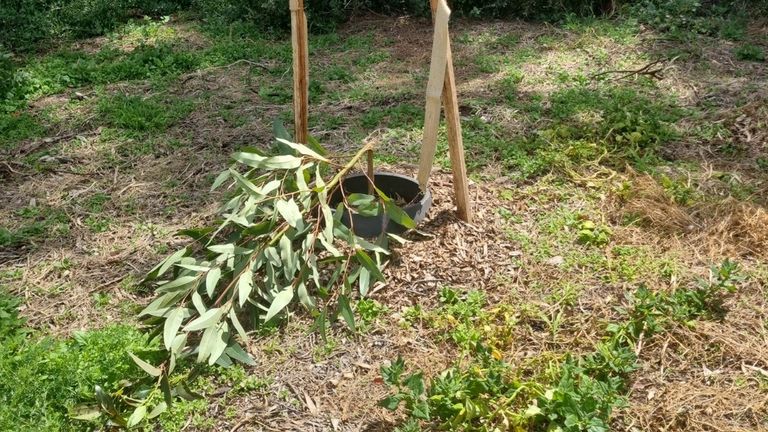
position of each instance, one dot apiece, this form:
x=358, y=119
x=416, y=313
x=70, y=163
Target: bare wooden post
x=300, y=71
x=455, y=140
x=434, y=91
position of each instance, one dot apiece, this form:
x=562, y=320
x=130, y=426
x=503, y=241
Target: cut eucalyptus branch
x=272, y=248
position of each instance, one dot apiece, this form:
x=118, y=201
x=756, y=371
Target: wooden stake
x=455, y=140
x=434, y=91
x=300, y=71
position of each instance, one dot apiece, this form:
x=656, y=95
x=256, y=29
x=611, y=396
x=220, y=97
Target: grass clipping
x=728, y=227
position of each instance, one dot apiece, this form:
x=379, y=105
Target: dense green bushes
x=27, y=24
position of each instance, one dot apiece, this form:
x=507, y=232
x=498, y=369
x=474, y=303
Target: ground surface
x=588, y=182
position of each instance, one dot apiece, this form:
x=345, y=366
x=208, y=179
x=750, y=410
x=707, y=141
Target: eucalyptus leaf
x=246, y=184
x=148, y=368
x=220, y=342
x=281, y=162
x=288, y=258
x=302, y=149
x=290, y=212
x=281, y=300
x=206, y=320
x=279, y=130
x=346, y=312
x=211, y=280
x=236, y=352
x=197, y=302
x=244, y=287
x=137, y=416
x=399, y=215
x=365, y=260
x=157, y=410
x=236, y=323
x=207, y=342
x=172, y=325
x=365, y=281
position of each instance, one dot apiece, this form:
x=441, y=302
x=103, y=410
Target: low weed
x=593, y=234
x=749, y=52
x=369, y=311
x=571, y=393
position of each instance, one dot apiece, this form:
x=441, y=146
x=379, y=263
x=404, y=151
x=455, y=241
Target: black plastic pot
x=393, y=185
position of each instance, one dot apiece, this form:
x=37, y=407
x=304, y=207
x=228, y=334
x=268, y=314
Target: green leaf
x=532, y=411
x=290, y=212
x=365, y=281
x=148, y=368
x=220, y=342
x=247, y=185
x=366, y=261
x=194, y=267
x=105, y=400
x=206, y=320
x=207, y=342
x=391, y=374
x=289, y=259
x=178, y=343
x=197, y=302
x=315, y=145
x=391, y=403
x=138, y=415
x=281, y=162
x=346, y=312
x=238, y=327
x=220, y=179
x=328, y=221
x=302, y=149
x=178, y=284
x=244, y=287
x=250, y=159
x=415, y=383
x=157, y=410
x=229, y=249
x=159, y=306
x=399, y=215
x=185, y=393
x=304, y=296
x=279, y=130
x=236, y=352
x=420, y=410
x=358, y=199
x=172, y=325
x=211, y=280
x=165, y=387
x=328, y=245
x=165, y=264
x=282, y=299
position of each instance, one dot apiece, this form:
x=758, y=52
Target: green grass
x=16, y=127
x=37, y=224
x=139, y=114
x=43, y=379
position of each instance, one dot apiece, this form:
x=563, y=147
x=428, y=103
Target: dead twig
x=654, y=69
